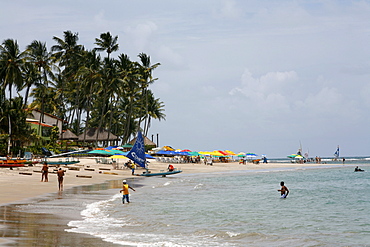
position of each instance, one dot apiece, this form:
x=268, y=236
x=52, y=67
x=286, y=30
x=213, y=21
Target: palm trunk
x=101, y=119
x=10, y=133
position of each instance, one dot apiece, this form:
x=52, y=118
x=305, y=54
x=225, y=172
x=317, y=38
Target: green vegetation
x=76, y=85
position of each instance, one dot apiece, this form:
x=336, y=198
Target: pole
x=157, y=140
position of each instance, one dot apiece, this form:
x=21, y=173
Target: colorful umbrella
x=103, y=152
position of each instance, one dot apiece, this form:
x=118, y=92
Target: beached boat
x=163, y=174
x=12, y=163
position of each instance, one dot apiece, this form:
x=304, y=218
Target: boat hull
x=12, y=163
x=163, y=174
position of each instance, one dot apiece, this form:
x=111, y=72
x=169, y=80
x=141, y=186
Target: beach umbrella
x=168, y=148
x=292, y=156
x=194, y=154
x=180, y=153
x=99, y=151
x=241, y=154
x=223, y=153
x=127, y=145
x=118, y=156
x=230, y=152
x=115, y=151
x=110, y=147
x=214, y=153
x=165, y=152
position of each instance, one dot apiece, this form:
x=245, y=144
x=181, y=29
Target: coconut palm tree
x=107, y=43
x=68, y=53
x=38, y=55
x=11, y=62
x=146, y=79
x=31, y=78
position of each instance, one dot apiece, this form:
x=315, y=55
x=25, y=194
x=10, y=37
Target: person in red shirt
x=170, y=168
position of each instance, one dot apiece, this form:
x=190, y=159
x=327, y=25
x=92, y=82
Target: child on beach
x=125, y=191
x=284, y=190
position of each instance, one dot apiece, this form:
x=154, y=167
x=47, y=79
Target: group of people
x=45, y=173
x=284, y=191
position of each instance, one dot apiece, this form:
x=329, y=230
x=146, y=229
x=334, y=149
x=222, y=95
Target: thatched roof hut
x=102, y=134
x=147, y=142
x=68, y=135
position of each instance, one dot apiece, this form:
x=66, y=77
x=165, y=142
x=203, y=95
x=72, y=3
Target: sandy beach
x=20, y=184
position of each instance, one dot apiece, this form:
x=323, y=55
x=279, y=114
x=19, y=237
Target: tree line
x=75, y=84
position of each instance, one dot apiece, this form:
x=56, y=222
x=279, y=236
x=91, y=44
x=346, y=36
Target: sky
x=262, y=76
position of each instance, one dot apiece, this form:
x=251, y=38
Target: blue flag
x=137, y=152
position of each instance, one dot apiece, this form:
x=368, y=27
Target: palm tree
x=106, y=43
x=11, y=62
x=89, y=75
x=31, y=78
x=39, y=56
x=68, y=53
x=146, y=80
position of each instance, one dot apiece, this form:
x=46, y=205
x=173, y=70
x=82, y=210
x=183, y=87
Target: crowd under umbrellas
x=116, y=155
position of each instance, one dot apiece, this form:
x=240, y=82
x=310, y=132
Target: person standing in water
x=125, y=191
x=284, y=190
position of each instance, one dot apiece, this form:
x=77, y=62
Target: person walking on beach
x=284, y=190
x=133, y=167
x=125, y=191
x=44, y=171
x=60, y=174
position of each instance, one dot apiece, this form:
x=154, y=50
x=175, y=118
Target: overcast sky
x=259, y=76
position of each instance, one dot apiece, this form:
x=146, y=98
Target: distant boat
x=336, y=154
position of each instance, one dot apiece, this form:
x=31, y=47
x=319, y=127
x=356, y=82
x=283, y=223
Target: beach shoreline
x=24, y=183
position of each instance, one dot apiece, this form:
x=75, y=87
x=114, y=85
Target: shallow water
x=325, y=207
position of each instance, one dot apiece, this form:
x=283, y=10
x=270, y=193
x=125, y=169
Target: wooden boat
x=12, y=163
x=163, y=174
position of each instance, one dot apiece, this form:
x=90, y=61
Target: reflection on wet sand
x=20, y=227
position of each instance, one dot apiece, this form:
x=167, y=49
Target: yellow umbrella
x=118, y=157
x=230, y=152
x=214, y=153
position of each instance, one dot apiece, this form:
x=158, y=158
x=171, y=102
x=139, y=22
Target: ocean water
x=325, y=207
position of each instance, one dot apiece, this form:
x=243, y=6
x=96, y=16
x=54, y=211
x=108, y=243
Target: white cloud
x=269, y=92
x=230, y=9
x=141, y=34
